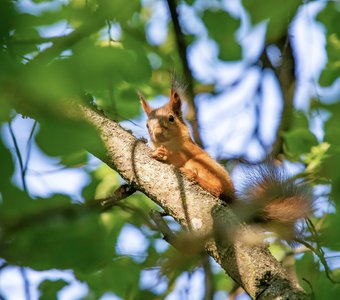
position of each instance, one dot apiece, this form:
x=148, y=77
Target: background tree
x=244, y=64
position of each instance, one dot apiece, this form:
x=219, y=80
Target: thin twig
x=321, y=255
x=17, y=151
x=26, y=283
x=286, y=76
x=124, y=191
x=208, y=278
x=29, y=147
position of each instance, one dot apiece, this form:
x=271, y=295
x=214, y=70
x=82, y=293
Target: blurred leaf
x=120, y=10
x=315, y=160
x=62, y=237
x=47, y=84
x=222, y=27
x=332, y=125
x=329, y=233
x=109, y=180
x=103, y=182
x=13, y=200
x=41, y=1
x=121, y=276
x=62, y=136
x=222, y=282
x=329, y=16
x=49, y=288
x=75, y=159
x=9, y=68
x=25, y=33
x=307, y=269
x=146, y=295
x=5, y=110
x=309, y=274
x=105, y=68
x=7, y=167
x=332, y=70
x=7, y=17
x=278, y=12
x=299, y=141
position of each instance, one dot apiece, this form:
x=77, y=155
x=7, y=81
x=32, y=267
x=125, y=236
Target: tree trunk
x=252, y=267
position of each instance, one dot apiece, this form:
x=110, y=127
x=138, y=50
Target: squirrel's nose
x=158, y=134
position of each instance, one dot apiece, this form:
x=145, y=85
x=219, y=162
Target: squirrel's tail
x=272, y=199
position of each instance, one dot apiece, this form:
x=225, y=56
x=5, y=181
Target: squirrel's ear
x=175, y=102
x=145, y=104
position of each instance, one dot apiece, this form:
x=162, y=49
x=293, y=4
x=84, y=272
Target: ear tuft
x=175, y=102
x=145, y=104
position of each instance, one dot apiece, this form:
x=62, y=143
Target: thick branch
x=252, y=267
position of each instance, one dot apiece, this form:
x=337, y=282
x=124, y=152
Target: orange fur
x=268, y=198
x=172, y=143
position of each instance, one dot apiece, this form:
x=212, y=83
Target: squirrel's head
x=165, y=124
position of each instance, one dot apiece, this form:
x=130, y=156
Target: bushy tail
x=270, y=197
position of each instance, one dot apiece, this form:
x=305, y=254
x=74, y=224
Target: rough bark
x=252, y=267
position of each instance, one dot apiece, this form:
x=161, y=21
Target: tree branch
x=253, y=267
x=191, y=115
x=208, y=278
x=286, y=78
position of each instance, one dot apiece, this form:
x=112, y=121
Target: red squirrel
x=268, y=197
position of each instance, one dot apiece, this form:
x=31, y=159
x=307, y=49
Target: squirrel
x=268, y=198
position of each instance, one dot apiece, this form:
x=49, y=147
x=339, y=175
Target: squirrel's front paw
x=191, y=175
x=160, y=154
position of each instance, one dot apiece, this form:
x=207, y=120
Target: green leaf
x=222, y=282
x=310, y=276
x=49, y=288
x=50, y=84
x=279, y=14
x=62, y=136
x=120, y=10
x=307, y=269
x=106, y=67
x=7, y=167
x=222, y=27
x=332, y=125
x=74, y=159
x=332, y=70
x=5, y=110
x=13, y=200
x=329, y=233
x=49, y=236
x=25, y=33
x=329, y=16
x=121, y=276
x=7, y=17
x=109, y=180
x=315, y=160
x=299, y=141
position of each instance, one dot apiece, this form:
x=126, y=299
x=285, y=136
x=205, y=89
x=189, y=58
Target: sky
x=45, y=177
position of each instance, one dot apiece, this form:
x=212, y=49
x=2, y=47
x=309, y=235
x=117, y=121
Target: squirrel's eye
x=171, y=118
x=147, y=125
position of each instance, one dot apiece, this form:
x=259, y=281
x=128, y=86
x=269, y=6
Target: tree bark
x=252, y=267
